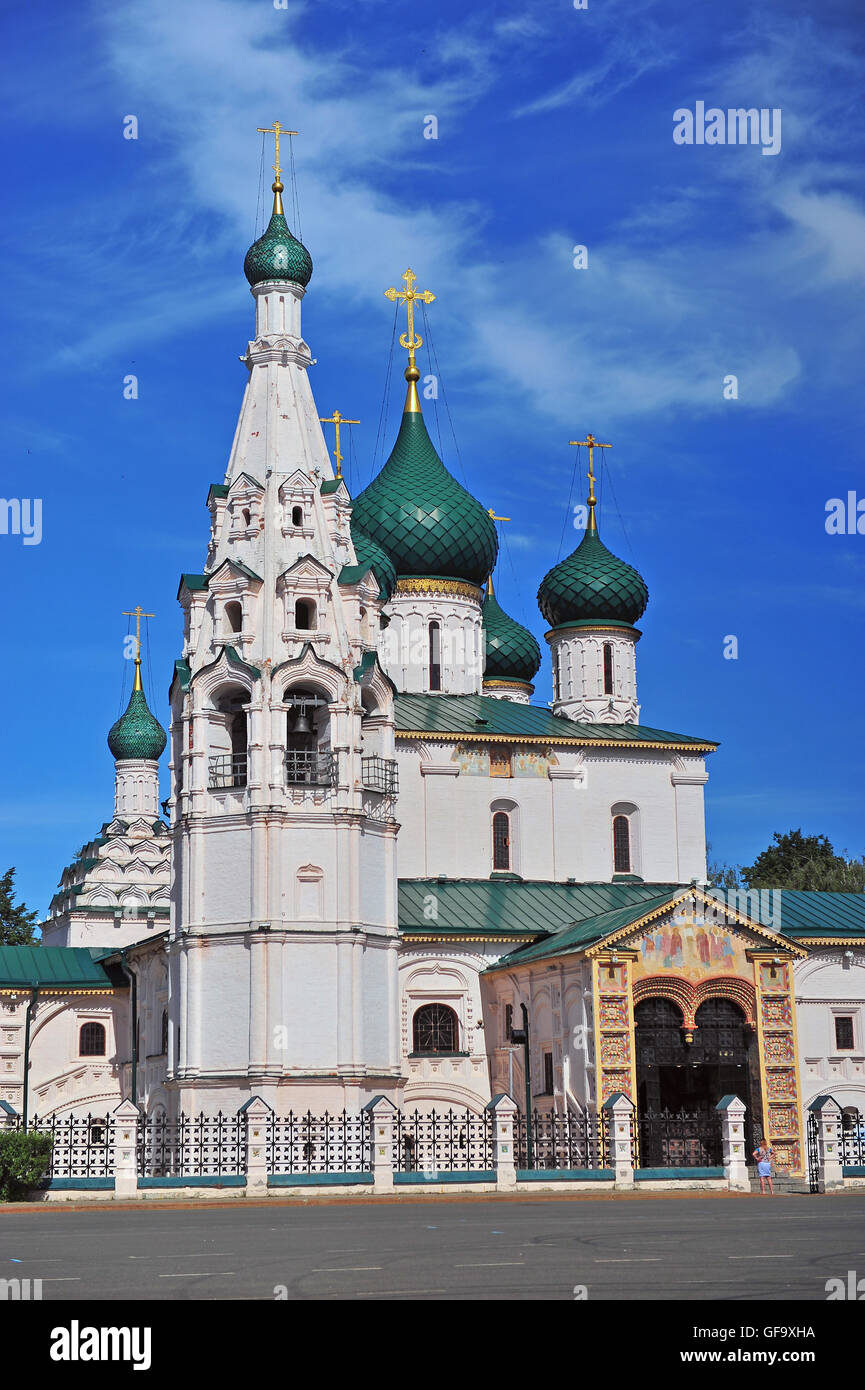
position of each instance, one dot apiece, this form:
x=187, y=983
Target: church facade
x=381, y=864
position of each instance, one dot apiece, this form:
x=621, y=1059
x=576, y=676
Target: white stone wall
x=578, y=674
x=831, y=982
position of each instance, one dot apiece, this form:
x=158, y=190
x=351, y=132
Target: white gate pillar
x=382, y=1114
x=827, y=1113
x=125, y=1149
x=620, y=1139
x=502, y=1109
x=256, y=1112
x=732, y=1113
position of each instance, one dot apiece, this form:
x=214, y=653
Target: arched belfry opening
x=309, y=760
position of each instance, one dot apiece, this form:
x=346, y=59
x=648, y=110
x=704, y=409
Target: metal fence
x=572, y=1139
x=681, y=1140
x=442, y=1141
x=83, y=1144
x=192, y=1146
x=319, y=1143
x=380, y=774
x=853, y=1138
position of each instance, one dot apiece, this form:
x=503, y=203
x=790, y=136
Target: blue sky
x=555, y=129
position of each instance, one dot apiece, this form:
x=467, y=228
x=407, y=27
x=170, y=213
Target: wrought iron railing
x=380, y=774
x=192, y=1146
x=571, y=1140
x=83, y=1144
x=442, y=1141
x=682, y=1140
x=226, y=770
x=310, y=768
x=853, y=1139
x=319, y=1143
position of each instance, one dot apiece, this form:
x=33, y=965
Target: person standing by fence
x=765, y=1157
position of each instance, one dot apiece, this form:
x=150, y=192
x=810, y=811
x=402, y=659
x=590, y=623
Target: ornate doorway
x=684, y=1072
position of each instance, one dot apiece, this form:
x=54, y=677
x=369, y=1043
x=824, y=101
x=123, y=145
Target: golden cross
x=491, y=514
x=276, y=130
x=337, y=419
x=137, y=613
x=411, y=341
x=593, y=444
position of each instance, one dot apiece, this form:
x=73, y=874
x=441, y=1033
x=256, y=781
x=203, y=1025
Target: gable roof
x=483, y=718
x=55, y=969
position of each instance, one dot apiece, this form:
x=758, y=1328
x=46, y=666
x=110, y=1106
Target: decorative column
x=732, y=1113
x=620, y=1142
x=256, y=1112
x=126, y=1118
x=502, y=1110
x=382, y=1114
x=827, y=1113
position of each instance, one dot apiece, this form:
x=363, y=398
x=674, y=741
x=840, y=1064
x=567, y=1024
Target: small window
x=548, y=1073
x=621, y=845
x=501, y=840
x=557, y=688
x=304, y=615
x=163, y=1043
x=91, y=1040
x=435, y=656
x=435, y=1029
x=297, y=516
x=608, y=668
x=247, y=516
x=234, y=616
x=844, y=1033
x=509, y=1021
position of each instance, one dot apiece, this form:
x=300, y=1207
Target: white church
x=380, y=856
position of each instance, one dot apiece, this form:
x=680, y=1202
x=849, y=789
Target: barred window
x=548, y=1074
x=621, y=845
x=91, y=1040
x=163, y=1047
x=509, y=1021
x=608, y=668
x=435, y=657
x=844, y=1033
x=435, y=1029
x=501, y=840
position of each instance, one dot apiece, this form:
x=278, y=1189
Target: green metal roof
x=483, y=717
x=137, y=733
x=370, y=556
x=53, y=967
x=277, y=255
x=800, y=913
x=594, y=584
x=511, y=650
x=217, y=490
x=331, y=485
x=193, y=582
x=419, y=513
x=504, y=907
x=591, y=929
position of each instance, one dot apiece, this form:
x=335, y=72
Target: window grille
x=621, y=845
x=435, y=1029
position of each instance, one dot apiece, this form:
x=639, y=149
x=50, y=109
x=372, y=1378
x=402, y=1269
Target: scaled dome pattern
x=277, y=255
x=511, y=651
x=592, y=585
x=428, y=524
x=370, y=555
x=136, y=733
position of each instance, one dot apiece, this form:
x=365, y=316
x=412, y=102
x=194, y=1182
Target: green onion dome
x=592, y=585
x=511, y=651
x=277, y=255
x=428, y=524
x=137, y=734
x=371, y=556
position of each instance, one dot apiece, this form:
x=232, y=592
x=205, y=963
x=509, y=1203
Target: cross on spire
x=337, y=420
x=410, y=341
x=592, y=443
x=276, y=130
x=137, y=613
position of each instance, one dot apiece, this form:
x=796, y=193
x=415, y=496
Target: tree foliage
x=17, y=925
x=24, y=1159
x=794, y=860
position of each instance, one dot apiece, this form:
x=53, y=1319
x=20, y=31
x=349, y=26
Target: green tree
x=722, y=875
x=16, y=923
x=795, y=860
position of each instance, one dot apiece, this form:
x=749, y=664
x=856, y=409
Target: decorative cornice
x=556, y=741
x=509, y=685
x=421, y=584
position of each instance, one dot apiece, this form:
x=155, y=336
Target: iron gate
x=813, y=1154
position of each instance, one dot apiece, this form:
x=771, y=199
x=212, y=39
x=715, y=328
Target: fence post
x=125, y=1157
x=256, y=1113
x=502, y=1109
x=732, y=1114
x=620, y=1142
x=382, y=1113
x=827, y=1113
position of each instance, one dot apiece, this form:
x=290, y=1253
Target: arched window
x=163, y=1044
x=608, y=668
x=501, y=840
x=435, y=1029
x=435, y=656
x=247, y=516
x=557, y=687
x=234, y=616
x=297, y=516
x=228, y=746
x=621, y=845
x=304, y=615
x=91, y=1040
